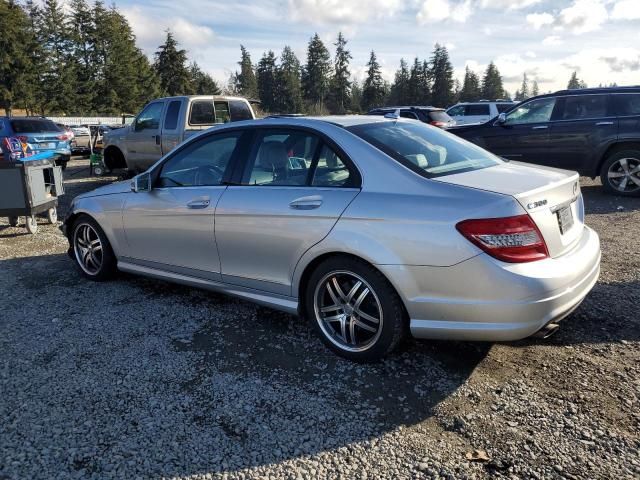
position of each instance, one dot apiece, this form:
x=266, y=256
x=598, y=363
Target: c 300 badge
x=536, y=204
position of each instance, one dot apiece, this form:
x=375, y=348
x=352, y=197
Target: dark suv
x=437, y=117
x=594, y=131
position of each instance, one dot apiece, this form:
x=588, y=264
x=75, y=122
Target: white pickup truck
x=164, y=123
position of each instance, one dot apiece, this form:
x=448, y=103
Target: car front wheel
x=92, y=251
x=620, y=173
x=355, y=310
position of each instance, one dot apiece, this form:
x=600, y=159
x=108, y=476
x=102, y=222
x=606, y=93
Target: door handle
x=157, y=137
x=306, y=203
x=603, y=123
x=199, y=203
x=540, y=127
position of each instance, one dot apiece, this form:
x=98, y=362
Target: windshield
x=34, y=125
x=426, y=150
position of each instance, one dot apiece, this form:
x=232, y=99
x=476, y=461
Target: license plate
x=565, y=219
x=48, y=145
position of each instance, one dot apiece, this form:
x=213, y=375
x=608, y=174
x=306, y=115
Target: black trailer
x=29, y=188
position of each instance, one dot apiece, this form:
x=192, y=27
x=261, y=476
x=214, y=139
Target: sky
x=600, y=39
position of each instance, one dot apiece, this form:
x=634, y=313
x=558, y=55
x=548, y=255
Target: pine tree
x=575, y=83
x=245, y=80
x=492, y=87
x=289, y=89
x=201, y=82
x=373, y=90
x=171, y=67
x=15, y=62
x=82, y=33
x=442, y=75
x=535, y=90
x=399, y=94
x=316, y=74
x=523, y=93
x=266, y=74
x=470, y=91
x=340, y=83
x=356, y=97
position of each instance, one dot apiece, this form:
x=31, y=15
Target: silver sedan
x=372, y=228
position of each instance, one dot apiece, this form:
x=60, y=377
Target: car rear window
x=201, y=113
x=439, y=116
x=240, y=110
x=503, y=107
x=33, y=125
x=428, y=151
x=477, y=110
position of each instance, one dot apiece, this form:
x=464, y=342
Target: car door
x=143, y=140
x=584, y=126
x=171, y=125
x=477, y=113
x=293, y=189
x=171, y=227
x=524, y=136
x=457, y=113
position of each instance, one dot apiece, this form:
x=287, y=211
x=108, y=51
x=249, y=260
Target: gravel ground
x=137, y=378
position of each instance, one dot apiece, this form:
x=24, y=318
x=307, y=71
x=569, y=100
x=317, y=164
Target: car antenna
x=394, y=115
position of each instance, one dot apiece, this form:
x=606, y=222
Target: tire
x=620, y=173
x=31, y=223
x=95, y=261
x=52, y=215
x=362, y=339
x=98, y=170
x=13, y=221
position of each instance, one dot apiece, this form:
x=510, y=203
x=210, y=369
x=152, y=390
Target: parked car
x=67, y=130
x=593, y=131
x=40, y=134
x=166, y=122
x=370, y=227
x=80, y=130
x=468, y=113
x=431, y=115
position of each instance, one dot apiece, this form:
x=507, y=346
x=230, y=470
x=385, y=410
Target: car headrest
x=272, y=155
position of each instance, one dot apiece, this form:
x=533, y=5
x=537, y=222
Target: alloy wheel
x=348, y=311
x=624, y=175
x=88, y=249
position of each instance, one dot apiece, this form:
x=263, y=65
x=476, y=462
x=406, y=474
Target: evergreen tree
x=266, y=74
x=442, y=74
x=373, y=90
x=202, y=83
x=419, y=92
x=470, y=91
x=171, y=67
x=492, y=87
x=289, y=89
x=575, y=82
x=340, y=83
x=245, y=80
x=400, y=94
x=356, y=97
x=82, y=31
x=316, y=74
x=523, y=93
x=535, y=90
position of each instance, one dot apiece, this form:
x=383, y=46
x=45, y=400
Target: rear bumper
x=484, y=299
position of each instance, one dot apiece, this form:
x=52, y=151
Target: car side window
x=202, y=163
x=535, y=111
x=456, y=111
x=406, y=114
x=201, y=113
x=477, y=110
x=503, y=107
x=149, y=119
x=282, y=158
x=239, y=110
x=330, y=171
x=627, y=104
x=222, y=112
x=171, y=117
x=584, y=106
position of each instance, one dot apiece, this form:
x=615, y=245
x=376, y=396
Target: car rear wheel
x=620, y=173
x=355, y=310
x=92, y=251
x=13, y=221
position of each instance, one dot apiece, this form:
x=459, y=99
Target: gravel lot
x=137, y=378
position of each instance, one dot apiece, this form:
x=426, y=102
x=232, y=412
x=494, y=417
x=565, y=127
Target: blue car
x=39, y=135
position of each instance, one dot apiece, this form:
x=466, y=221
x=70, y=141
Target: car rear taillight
x=438, y=124
x=510, y=239
x=64, y=137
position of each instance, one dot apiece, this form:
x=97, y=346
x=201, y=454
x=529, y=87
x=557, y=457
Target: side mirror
x=502, y=119
x=141, y=183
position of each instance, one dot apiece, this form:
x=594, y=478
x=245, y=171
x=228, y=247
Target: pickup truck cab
x=166, y=122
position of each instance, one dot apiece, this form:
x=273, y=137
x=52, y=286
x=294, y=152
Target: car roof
x=486, y=102
x=408, y=107
x=339, y=120
x=192, y=97
x=591, y=91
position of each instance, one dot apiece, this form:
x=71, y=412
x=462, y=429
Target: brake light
x=436, y=123
x=510, y=239
x=64, y=137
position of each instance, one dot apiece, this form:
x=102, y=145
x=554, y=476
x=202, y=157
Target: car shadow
x=596, y=201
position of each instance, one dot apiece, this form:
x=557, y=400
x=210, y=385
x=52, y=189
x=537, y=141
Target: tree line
x=84, y=61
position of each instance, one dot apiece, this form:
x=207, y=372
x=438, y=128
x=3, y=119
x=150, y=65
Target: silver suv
x=478, y=112
x=166, y=122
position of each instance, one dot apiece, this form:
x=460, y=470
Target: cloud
x=538, y=20
x=552, y=40
x=626, y=10
x=617, y=64
x=583, y=16
x=344, y=12
x=508, y=4
x=433, y=11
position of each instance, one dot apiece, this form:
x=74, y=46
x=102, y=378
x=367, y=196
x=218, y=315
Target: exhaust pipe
x=546, y=331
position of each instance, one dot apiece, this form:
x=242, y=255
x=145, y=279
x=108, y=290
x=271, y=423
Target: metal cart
x=29, y=188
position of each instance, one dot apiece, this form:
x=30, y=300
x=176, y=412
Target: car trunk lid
x=550, y=196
